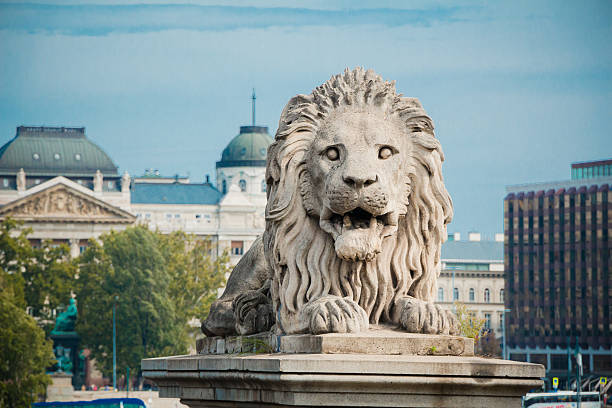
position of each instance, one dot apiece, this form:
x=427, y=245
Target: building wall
x=558, y=269
x=254, y=179
x=485, y=278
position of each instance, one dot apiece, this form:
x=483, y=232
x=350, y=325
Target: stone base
x=377, y=340
x=60, y=388
x=342, y=380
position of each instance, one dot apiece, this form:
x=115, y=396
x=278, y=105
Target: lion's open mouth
x=357, y=233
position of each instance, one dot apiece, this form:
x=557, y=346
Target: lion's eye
x=332, y=153
x=385, y=153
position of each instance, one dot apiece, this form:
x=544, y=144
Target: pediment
x=63, y=203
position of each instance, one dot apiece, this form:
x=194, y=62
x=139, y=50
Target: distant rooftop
x=589, y=173
x=591, y=169
x=473, y=251
x=175, y=193
x=555, y=185
x=54, y=151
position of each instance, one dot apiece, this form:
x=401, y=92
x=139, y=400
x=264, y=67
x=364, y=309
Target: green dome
x=249, y=148
x=53, y=151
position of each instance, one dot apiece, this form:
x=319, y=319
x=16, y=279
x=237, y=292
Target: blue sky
x=518, y=90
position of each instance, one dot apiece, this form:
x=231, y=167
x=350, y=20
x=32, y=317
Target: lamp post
x=505, y=352
x=114, y=345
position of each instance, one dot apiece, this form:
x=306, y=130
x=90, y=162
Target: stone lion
x=356, y=215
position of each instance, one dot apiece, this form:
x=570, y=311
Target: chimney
x=473, y=236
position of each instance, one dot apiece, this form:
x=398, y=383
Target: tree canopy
x=156, y=282
x=41, y=278
x=24, y=352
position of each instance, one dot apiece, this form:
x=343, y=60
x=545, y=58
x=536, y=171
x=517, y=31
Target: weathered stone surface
x=342, y=380
x=355, y=218
x=378, y=340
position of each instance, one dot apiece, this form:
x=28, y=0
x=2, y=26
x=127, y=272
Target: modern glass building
x=558, y=270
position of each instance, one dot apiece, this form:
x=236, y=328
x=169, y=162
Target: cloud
x=95, y=20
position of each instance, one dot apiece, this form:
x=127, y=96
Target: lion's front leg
x=334, y=314
x=418, y=316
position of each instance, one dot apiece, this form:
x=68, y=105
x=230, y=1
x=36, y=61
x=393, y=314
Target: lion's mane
x=302, y=256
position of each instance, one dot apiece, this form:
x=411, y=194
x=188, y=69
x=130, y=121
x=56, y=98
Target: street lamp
x=505, y=352
x=115, y=345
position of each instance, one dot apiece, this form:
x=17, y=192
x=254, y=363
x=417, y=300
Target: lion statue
x=355, y=218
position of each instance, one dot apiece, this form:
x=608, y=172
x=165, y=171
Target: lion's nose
x=360, y=181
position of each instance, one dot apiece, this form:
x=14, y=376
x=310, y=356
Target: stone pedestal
x=60, y=388
x=392, y=375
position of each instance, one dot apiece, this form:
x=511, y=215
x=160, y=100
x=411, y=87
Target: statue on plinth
x=355, y=219
x=66, y=343
x=66, y=320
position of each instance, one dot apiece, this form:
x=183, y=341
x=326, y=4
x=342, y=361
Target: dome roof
x=249, y=148
x=51, y=151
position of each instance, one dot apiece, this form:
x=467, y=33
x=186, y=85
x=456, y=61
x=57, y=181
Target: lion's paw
x=417, y=316
x=253, y=312
x=333, y=314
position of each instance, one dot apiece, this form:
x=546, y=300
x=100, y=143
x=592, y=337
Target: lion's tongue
x=359, y=244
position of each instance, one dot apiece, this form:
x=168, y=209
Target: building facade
x=68, y=190
x=62, y=186
x=559, y=270
x=473, y=274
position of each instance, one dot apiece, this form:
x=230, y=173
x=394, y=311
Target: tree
x=157, y=281
x=469, y=325
x=40, y=278
x=24, y=356
x=195, y=275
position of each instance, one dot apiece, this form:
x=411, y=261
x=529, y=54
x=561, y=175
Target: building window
x=242, y=185
x=440, y=294
x=177, y=215
x=224, y=187
x=263, y=186
x=237, y=247
x=487, y=324
x=487, y=296
x=471, y=294
x=5, y=182
x=198, y=217
x=82, y=249
x=501, y=296
x=169, y=216
x=455, y=294
x=148, y=215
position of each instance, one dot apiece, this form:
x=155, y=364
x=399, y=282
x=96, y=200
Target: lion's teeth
x=347, y=221
x=373, y=223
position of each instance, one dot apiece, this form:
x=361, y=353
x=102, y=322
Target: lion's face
x=357, y=166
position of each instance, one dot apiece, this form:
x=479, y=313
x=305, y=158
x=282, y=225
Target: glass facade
x=558, y=258
x=591, y=170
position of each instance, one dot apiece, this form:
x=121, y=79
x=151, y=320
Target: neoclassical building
x=473, y=274
x=68, y=190
x=63, y=186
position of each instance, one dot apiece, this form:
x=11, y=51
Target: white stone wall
x=253, y=176
x=464, y=280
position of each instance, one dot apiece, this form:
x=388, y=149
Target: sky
x=518, y=90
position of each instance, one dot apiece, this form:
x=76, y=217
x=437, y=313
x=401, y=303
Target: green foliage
x=41, y=278
x=24, y=355
x=195, y=276
x=470, y=325
x=160, y=282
